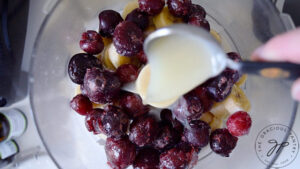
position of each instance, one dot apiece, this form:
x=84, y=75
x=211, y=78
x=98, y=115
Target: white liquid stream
x=176, y=65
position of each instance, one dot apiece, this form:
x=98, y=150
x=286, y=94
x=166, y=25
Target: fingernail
x=296, y=92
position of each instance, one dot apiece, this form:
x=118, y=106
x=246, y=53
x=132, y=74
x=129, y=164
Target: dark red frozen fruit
x=132, y=104
x=91, y=42
x=141, y=19
x=108, y=20
x=179, y=157
x=101, y=86
x=166, y=137
x=239, y=123
x=197, y=134
x=78, y=65
x=114, y=122
x=142, y=57
x=119, y=153
x=127, y=73
x=234, y=56
x=222, y=142
x=152, y=7
x=179, y=8
x=147, y=158
x=201, y=93
x=233, y=74
x=196, y=9
x=143, y=130
x=219, y=88
x=198, y=20
x=166, y=115
x=93, y=119
x=188, y=108
x=128, y=39
x=81, y=104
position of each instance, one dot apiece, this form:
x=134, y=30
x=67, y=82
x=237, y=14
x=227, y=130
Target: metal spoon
x=266, y=69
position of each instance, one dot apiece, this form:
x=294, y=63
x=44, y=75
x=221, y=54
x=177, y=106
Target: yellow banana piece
x=242, y=80
x=130, y=7
x=216, y=123
x=115, y=58
x=207, y=117
x=165, y=18
x=236, y=101
x=216, y=36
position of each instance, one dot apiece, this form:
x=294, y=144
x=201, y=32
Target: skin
x=284, y=47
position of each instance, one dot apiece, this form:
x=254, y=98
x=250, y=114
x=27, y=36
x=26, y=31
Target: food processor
x=243, y=25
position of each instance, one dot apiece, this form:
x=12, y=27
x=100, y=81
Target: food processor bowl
x=243, y=25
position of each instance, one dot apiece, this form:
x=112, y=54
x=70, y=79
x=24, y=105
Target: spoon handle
x=274, y=70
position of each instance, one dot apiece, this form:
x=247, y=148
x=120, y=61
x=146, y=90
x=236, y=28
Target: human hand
x=284, y=47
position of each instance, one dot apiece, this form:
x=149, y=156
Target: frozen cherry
x=108, y=20
x=127, y=73
x=81, y=104
x=132, y=104
x=78, y=65
x=114, y=122
x=166, y=115
x=138, y=17
x=141, y=56
x=219, y=87
x=222, y=142
x=179, y=8
x=239, y=123
x=152, y=7
x=198, y=20
x=101, y=86
x=143, y=130
x=196, y=9
x=188, y=108
x=128, y=39
x=119, y=153
x=92, y=120
x=198, y=133
x=91, y=42
x=147, y=158
x=166, y=137
x=233, y=74
x=234, y=56
x=201, y=93
x=174, y=158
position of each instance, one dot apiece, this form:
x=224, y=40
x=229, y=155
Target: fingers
x=284, y=47
x=296, y=90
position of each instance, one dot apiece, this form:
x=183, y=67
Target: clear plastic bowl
x=243, y=25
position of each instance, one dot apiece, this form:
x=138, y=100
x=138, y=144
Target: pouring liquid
x=177, y=64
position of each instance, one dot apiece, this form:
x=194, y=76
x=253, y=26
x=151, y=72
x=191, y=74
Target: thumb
x=296, y=90
x=284, y=47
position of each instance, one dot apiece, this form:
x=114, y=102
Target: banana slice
x=164, y=104
x=116, y=59
x=77, y=90
x=236, y=101
x=106, y=61
x=165, y=18
x=107, y=41
x=130, y=7
x=216, y=36
x=95, y=105
x=207, y=117
x=242, y=80
x=216, y=123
